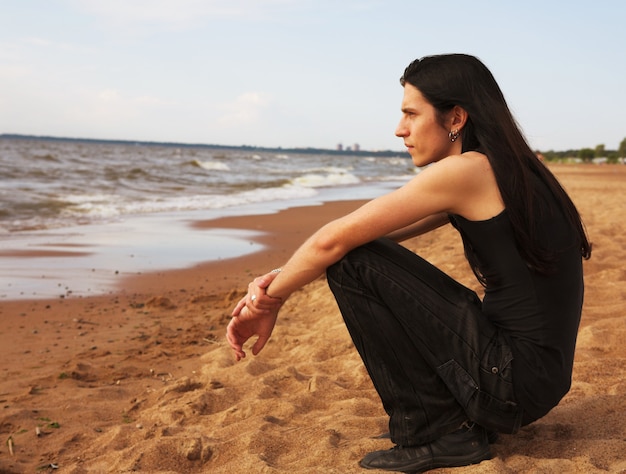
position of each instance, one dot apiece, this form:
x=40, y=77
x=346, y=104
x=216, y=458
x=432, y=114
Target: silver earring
x=453, y=135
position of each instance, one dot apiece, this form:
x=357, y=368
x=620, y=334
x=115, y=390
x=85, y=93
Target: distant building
x=355, y=147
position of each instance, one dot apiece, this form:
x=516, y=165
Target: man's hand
x=256, y=300
x=255, y=314
x=245, y=325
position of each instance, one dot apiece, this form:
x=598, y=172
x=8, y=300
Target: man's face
x=424, y=136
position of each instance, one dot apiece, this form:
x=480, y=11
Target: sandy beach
x=142, y=380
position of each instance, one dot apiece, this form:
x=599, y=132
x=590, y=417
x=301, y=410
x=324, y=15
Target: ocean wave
x=50, y=184
x=399, y=161
x=209, y=165
x=328, y=169
x=107, y=206
x=314, y=180
x=46, y=158
x=98, y=208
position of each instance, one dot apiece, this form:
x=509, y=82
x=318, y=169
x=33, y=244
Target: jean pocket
x=460, y=383
x=497, y=360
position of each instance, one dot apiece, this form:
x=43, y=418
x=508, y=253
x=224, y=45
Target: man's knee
x=348, y=261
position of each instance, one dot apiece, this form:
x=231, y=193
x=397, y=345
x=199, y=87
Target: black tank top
x=539, y=314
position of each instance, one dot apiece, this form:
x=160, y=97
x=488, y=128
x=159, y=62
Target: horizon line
x=309, y=149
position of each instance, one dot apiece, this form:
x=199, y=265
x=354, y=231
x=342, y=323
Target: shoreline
x=275, y=233
x=90, y=260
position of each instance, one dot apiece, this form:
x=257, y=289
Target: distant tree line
x=588, y=154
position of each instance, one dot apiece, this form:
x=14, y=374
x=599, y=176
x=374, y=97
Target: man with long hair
x=450, y=369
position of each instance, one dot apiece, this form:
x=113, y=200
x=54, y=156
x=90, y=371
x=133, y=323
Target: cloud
x=109, y=106
x=244, y=109
x=174, y=14
x=40, y=43
x=13, y=72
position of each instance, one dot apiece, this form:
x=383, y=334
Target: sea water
x=111, y=207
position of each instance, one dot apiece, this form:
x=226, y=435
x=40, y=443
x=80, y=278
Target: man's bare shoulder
x=467, y=184
x=465, y=168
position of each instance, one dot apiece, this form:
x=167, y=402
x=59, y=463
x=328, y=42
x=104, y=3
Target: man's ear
x=458, y=118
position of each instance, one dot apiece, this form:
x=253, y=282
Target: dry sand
x=142, y=380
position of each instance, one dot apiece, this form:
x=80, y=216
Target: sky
x=300, y=73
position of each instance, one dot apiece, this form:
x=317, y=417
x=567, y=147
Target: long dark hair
x=463, y=80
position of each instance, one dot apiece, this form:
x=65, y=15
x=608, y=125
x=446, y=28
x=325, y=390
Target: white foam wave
x=80, y=199
x=333, y=177
x=211, y=165
x=110, y=206
x=328, y=169
x=398, y=161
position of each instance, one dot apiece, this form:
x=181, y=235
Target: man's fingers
x=234, y=339
x=264, y=280
x=259, y=344
x=239, y=307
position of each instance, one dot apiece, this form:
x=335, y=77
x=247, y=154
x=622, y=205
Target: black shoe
x=492, y=436
x=466, y=446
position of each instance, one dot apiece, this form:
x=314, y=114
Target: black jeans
x=435, y=359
